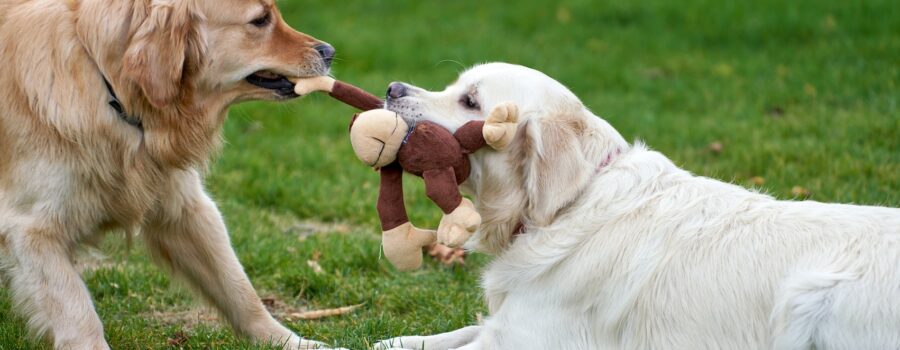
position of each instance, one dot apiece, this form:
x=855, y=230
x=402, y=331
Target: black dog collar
x=117, y=106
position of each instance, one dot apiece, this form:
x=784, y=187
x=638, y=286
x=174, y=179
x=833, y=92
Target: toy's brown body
x=430, y=152
x=440, y=158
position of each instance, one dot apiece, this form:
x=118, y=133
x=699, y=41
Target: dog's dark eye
x=262, y=21
x=469, y=102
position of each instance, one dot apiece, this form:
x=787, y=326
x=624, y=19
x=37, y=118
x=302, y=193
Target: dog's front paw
x=456, y=227
x=401, y=343
x=296, y=342
x=500, y=126
x=306, y=344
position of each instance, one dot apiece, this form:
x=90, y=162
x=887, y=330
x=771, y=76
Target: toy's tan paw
x=500, y=126
x=305, y=86
x=456, y=227
x=422, y=238
x=403, y=245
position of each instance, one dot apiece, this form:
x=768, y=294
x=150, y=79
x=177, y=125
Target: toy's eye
x=262, y=21
x=469, y=102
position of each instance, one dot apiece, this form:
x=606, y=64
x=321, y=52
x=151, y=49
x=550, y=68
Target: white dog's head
x=558, y=147
x=477, y=91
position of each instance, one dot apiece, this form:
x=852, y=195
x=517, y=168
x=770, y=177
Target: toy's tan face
x=376, y=137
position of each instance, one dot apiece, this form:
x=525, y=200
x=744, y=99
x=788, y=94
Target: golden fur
x=71, y=168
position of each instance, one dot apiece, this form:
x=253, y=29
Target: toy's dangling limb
x=391, y=209
x=460, y=218
x=441, y=187
x=402, y=242
x=355, y=96
x=341, y=91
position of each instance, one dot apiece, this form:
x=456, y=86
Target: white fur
x=644, y=255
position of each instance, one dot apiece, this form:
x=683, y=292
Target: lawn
x=797, y=98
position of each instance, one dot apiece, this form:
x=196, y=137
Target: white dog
x=603, y=244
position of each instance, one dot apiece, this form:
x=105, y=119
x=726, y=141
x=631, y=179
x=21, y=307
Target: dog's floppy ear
x=553, y=163
x=165, y=49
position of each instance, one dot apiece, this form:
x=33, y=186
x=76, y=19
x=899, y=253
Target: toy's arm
x=441, y=187
x=355, y=96
x=341, y=91
x=471, y=136
x=496, y=131
x=460, y=219
x=391, y=209
x=501, y=125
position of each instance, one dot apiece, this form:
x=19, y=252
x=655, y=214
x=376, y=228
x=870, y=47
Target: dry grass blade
x=317, y=314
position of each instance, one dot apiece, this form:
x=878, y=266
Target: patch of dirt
x=206, y=316
x=303, y=228
x=188, y=319
x=308, y=228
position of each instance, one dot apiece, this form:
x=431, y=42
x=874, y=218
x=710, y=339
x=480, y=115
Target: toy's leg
x=445, y=341
x=391, y=209
x=403, y=245
x=402, y=242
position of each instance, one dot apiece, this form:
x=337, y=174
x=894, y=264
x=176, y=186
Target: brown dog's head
x=226, y=50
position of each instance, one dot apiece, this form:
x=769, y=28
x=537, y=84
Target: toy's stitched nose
x=396, y=90
x=326, y=52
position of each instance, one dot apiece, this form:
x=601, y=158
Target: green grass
x=800, y=93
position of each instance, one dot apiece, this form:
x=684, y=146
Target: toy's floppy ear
x=166, y=49
x=554, y=166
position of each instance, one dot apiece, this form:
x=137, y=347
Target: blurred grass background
x=798, y=98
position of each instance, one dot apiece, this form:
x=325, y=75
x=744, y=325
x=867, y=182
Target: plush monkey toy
x=384, y=141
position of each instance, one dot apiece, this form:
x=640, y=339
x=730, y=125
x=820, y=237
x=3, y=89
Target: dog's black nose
x=396, y=90
x=326, y=52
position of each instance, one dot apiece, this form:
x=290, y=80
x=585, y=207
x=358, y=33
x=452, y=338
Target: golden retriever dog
x=602, y=244
x=109, y=110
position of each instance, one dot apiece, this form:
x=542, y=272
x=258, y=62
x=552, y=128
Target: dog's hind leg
x=187, y=235
x=803, y=304
x=48, y=290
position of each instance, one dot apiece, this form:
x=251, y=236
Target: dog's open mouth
x=272, y=81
